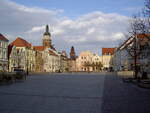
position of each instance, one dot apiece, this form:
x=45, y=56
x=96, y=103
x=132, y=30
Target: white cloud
x=118, y=36
x=90, y=31
x=57, y=31
x=36, y=29
x=30, y=9
x=93, y=30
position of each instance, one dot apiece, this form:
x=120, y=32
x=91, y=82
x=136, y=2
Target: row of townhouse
x=21, y=54
x=87, y=61
x=136, y=47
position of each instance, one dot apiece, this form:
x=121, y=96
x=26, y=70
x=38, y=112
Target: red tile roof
x=39, y=48
x=19, y=42
x=108, y=51
x=143, y=38
x=143, y=35
x=3, y=38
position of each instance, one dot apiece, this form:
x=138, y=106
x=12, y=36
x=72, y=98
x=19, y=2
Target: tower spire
x=47, y=28
x=47, y=31
x=47, y=42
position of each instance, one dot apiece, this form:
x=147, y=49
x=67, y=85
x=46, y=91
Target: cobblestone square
x=73, y=93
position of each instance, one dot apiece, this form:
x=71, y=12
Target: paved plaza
x=73, y=93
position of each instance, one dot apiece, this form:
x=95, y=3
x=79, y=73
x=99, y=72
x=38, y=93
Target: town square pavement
x=73, y=93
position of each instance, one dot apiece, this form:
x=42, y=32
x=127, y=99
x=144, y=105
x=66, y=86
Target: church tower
x=72, y=53
x=47, y=42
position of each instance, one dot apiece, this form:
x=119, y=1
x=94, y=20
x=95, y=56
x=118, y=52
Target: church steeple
x=47, y=31
x=47, y=38
x=47, y=28
x=72, y=53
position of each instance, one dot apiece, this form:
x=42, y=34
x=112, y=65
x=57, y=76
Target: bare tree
x=146, y=9
x=146, y=16
x=136, y=27
x=139, y=25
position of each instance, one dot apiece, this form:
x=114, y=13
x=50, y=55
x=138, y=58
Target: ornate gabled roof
x=3, y=38
x=143, y=35
x=19, y=42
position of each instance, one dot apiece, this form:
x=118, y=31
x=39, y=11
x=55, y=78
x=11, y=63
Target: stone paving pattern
x=74, y=93
x=53, y=94
x=121, y=97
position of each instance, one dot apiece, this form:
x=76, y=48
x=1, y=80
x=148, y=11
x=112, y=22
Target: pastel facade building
x=107, y=55
x=13, y=58
x=39, y=62
x=97, y=63
x=3, y=53
x=25, y=55
x=87, y=61
x=51, y=60
x=64, y=62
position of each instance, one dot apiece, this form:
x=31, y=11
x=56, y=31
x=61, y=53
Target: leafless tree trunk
x=136, y=27
x=140, y=24
x=146, y=16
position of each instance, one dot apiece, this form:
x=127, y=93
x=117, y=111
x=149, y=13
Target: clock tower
x=47, y=42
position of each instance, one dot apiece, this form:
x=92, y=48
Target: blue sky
x=75, y=8
x=84, y=24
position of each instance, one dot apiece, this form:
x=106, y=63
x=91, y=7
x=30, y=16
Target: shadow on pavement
x=120, y=97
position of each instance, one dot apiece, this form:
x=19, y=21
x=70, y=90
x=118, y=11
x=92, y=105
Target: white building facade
x=24, y=54
x=89, y=62
x=3, y=53
x=107, y=58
